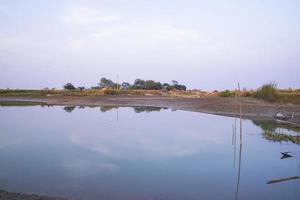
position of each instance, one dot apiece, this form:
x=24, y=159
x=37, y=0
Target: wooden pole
x=283, y=179
x=240, y=108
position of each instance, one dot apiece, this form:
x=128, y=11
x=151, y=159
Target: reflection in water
x=142, y=156
x=69, y=109
x=283, y=179
x=238, y=101
x=107, y=108
x=137, y=109
x=278, y=132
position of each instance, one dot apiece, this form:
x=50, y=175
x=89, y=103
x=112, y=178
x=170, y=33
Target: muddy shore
x=251, y=108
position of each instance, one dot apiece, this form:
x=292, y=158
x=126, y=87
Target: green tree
x=106, y=83
x=69, y=86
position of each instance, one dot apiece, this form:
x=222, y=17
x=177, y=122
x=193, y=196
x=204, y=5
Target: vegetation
x=272, y=125
x=270, y=92
x=226, y=93
x=140, y=109
x=69, y=86
x=267, y=92
x=272, y=131
x=69, y=108
x=137, y=109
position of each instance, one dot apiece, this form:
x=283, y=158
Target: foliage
x=226, y=93
x=267, y=92
x=179, y=87
x=146, y=85
x=69, y=86
x=125, y=86
x=106, y=83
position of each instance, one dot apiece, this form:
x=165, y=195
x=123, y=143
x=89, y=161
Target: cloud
x=85, y=167
x=144, y=39
x=84, y=15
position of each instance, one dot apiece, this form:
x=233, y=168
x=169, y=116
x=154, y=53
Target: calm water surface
x=132, y=153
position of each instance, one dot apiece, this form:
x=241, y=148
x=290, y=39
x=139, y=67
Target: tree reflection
x=69, y=109
x=107, y=108
x=278, y=132
x=140, y=109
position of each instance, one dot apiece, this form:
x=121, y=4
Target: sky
x=204, y=44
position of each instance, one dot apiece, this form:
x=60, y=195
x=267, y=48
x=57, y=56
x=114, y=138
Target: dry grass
x=283, y=96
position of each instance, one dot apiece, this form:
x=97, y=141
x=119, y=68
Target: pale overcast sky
x=205, y=44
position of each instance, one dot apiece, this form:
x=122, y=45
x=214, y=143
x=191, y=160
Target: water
x=128, y=153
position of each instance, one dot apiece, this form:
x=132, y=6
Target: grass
x=270, y=92
x=101, y=92
x=267, y=92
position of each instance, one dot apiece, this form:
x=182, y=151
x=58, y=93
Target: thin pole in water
x=240, y=106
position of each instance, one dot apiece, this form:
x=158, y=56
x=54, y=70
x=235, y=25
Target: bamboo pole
x=240, y=109
x=283, y=179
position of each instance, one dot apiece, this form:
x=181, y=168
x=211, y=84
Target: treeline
x=138, y=84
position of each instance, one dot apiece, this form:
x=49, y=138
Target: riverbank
x=251, y=108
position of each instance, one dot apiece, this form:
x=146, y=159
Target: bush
x=226, y=93
x=109, y=91
x=267, y=92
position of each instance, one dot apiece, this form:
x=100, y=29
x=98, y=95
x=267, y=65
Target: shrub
x=267, y=92
x=109, y=91
x=226, y=93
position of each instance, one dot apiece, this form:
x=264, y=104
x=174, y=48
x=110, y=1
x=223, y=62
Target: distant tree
x=106, y=83
x=146, y=85
x=180, y=87
x=81, y=88
x=125, y=86
x=69, y=86
x=174, y=82
x=138, y=84
x=166, y=86
x=152, y=85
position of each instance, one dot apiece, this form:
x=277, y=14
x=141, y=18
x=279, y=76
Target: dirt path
x=251, y=108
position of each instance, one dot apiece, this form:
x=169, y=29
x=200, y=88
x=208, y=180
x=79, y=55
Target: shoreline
x=251, y=108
